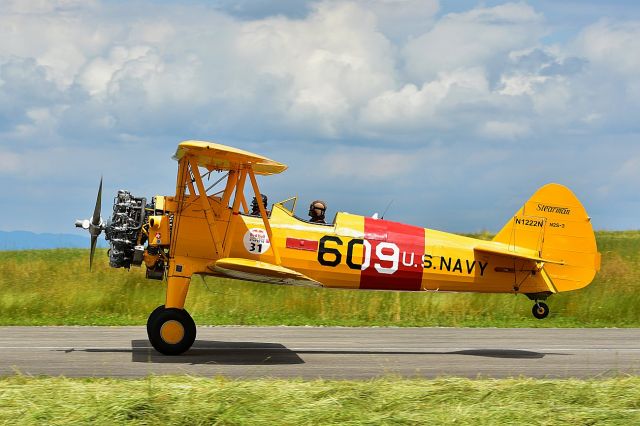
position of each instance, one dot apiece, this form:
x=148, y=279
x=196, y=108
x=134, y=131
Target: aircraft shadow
x=223, y=353
x=490, y=353
x=502, y=353
x=260, y=353
x=250, y=353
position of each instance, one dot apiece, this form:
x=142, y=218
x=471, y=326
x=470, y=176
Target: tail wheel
x=171, y=331
x=540, y=310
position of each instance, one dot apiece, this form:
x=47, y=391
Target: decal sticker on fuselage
x=553, y=209
x=452, y=264
x=256, y=241
x=301, y=244
x=396, y=256
x=391, y=256
x=536, y=223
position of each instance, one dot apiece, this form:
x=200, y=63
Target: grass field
x=55, y=287
x=193, y=401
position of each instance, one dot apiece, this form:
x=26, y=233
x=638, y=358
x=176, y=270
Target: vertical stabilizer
x=554, y=224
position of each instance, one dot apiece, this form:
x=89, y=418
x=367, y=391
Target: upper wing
x=216, y=156
x=255, y=270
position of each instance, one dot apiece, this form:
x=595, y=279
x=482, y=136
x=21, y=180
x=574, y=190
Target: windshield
x=289, y=205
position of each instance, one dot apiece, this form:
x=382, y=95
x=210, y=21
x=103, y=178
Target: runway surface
x=325, y=352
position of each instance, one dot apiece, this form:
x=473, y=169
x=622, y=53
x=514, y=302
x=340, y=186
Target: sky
x=453, y=112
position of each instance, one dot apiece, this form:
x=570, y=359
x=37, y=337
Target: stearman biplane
x=547, y=247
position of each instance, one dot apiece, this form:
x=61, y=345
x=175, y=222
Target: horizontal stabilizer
x=499, y=249
x=255, y=270
x=509, y=252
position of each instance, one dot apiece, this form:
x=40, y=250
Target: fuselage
x=352, y=252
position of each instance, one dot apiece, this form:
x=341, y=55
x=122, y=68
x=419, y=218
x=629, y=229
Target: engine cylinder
x=124, y=229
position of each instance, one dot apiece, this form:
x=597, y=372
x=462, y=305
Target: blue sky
x=456, y=111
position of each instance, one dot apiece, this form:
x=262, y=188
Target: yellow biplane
x=547, y=247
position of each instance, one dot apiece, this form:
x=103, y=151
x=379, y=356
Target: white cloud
x=367, y=164
x=326, y=66
x=400, y=19
x=479, y=36
x=337, y=72
x=127, y=81
x=412, y=107
x=504, y=130
x=334, y=73
x=99, y=74
x=520, y=84
x=615, y=46
x=33, y=7
x=629, y=171
x=613, y=52
x=9, y=162
x=58, y=34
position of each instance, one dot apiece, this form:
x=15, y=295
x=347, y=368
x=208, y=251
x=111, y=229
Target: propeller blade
x=94, y=240
x=95, y=220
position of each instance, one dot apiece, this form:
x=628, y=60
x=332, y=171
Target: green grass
x=193, y=401
x=54, y=287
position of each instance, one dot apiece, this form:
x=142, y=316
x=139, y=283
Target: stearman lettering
x=553, y=209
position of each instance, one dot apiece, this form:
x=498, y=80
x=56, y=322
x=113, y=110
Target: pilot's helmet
x=254, y=204
x=317, y=208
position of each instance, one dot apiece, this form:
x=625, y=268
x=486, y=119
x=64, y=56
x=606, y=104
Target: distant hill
x=24, y=240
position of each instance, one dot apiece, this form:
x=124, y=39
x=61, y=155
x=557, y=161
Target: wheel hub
x=172, y=332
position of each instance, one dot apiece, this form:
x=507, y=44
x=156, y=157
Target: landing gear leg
x=540, y=310
x=177, y=289
x=170, y=328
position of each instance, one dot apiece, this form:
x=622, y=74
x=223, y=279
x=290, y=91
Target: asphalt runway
x=324, y=352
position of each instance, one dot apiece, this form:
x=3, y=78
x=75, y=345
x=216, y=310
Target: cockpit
x=288, y=207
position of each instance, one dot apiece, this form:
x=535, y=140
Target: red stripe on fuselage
x=396, y=256
x=301, y=244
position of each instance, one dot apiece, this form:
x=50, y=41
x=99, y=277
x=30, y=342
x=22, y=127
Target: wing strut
x=263, y=214
x=183, y=171
x=208, y=211
x=235, y=209
x=232, y=180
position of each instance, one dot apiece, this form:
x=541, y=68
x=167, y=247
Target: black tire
x=152, y=317
x=540, y=310
x=171, y=331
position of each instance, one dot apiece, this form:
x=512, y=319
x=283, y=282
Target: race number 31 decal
x=256, y=241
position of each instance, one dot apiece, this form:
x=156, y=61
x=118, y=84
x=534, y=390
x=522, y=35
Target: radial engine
x=127, y=231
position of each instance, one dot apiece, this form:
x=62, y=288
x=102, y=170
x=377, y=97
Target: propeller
x=95, y=226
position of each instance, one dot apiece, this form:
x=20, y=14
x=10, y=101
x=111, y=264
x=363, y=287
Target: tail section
x=554, y=225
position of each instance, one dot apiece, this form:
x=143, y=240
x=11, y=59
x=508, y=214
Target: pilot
x=255, y=210
x=316, y=211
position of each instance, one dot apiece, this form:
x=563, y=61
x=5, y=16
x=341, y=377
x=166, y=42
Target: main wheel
x=152, y=318
x=540, y=310
x=171, y=331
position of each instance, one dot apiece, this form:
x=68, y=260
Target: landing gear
x=171, y=331
x=152, y=318
x=540, y=310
